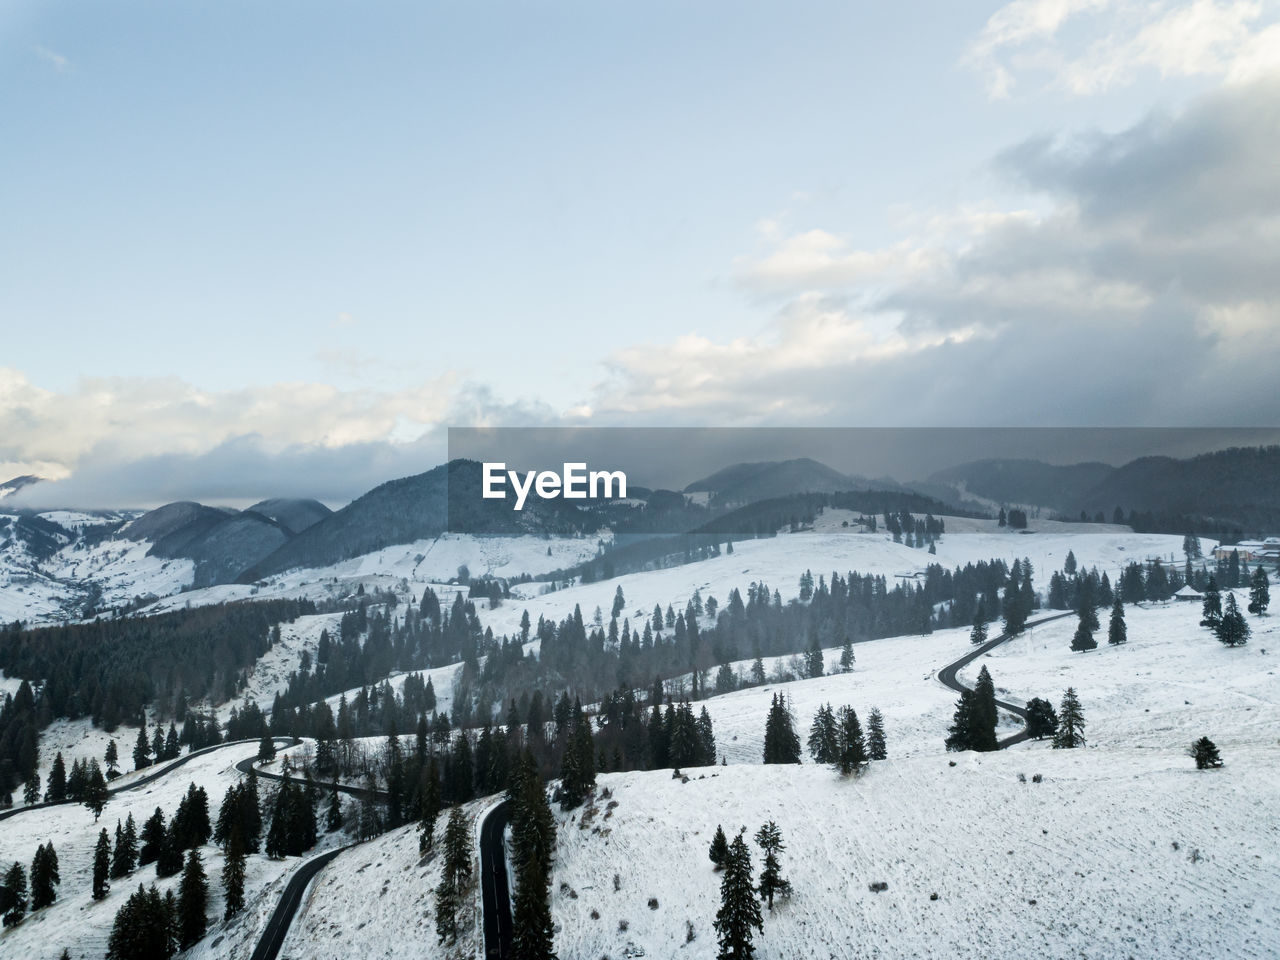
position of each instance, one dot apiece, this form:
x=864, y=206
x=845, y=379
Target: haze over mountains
x=1229, y=492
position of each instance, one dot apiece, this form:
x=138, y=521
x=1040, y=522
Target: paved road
x=272, y=939
x=948, y=675
x=152, y=776
x=498, y=923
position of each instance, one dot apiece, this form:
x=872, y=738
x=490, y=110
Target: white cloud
x=1111, y=42
x=57, y=60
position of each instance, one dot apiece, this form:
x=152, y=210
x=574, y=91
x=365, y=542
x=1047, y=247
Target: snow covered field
x=75, y=921
x=1117, y=853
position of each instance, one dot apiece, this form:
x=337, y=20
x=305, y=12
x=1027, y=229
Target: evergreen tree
x=772, y=882
x=96, y=794
x=1232, y=629
x=430, y=807
x=824, y=739
x=112, y=759
x=193, y=901
x=455, y=876
x=719, y=851
x=1211, y=611
x=333, y=812
x=143, y=928
x=533, y=833
x=44, y=876
x=14, y=891
x=57, y=790
x=266, y=748
x=960, y=733
x=876, y=747
x=169, y=857
x=978, y=635
x=1116, y=630
x=31, y=789
x=1042, y=719
x=852, y=755
x=814, y=659
x=781, y=744
x=153, y=837
x=982, y=729
x=101, y=865
x=233, y=874
x=846, y=657
x=1205, y=753
x=142, y=749
x=739, y=913
x=1259, y=592
x=1070, y=723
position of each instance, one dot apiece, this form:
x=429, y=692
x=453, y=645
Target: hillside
x=1029, y=482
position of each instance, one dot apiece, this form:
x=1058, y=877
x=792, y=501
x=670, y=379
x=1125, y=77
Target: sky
x=253, y=250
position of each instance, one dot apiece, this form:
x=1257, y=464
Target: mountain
x=221, y=543
x=748, y=482
x=1239, y=486
x=293, y=515
x=10, y=487
x=1024, y=482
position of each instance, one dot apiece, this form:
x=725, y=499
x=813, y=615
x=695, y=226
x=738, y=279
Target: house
x=1189, y=593
x=1251, y=551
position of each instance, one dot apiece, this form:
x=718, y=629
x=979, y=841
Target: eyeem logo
x=575, y=482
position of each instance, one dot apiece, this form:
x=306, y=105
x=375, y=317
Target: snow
x=1082, y=864
x=75, y=921
x=378, y=900
x=779, y=562
x=1170, y=684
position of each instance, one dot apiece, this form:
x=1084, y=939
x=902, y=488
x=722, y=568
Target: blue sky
x=338, y=227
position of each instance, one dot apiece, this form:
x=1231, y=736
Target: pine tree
x=142, y=749
x=960, y=733
x=153, y=836
x=846, y=657
x=455, y=876
x=266, y=748
x=876, y=747
x=31, y=789
x=14, y=889
x=57, y=790
x=333, y=812
x=533, y=835
x=96, y=794
x=233, y=874
x=739, y=913
x=824, y=740
x=112, y=760
x=1211, y=611
x=814, y=660
x=101, y=865
x=978, y=635
x=982, y=729
x=44, y=876
x=852, y=755
x=719, y=851
x=193, y=901
x=781, y=744
x=772, y=882
x=1259, y=592
x=1232, y=629
x=1205, y=753
x=1116, y=630
x=1070, y=723
x=1042, y=719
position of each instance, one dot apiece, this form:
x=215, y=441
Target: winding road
x=498, y=923
x=154, y=775
x=948, y=676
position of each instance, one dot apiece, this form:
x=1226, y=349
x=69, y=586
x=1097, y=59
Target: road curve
x=948, y=675
x=498, y=924
x=153, y=776
x=272, y=938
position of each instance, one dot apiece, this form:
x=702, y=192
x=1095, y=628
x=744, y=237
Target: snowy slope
x=75, y=921
x=1096, y=861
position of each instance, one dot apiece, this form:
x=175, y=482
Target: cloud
x=57, y=60
x=1142, y=290
x=1088, y=46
